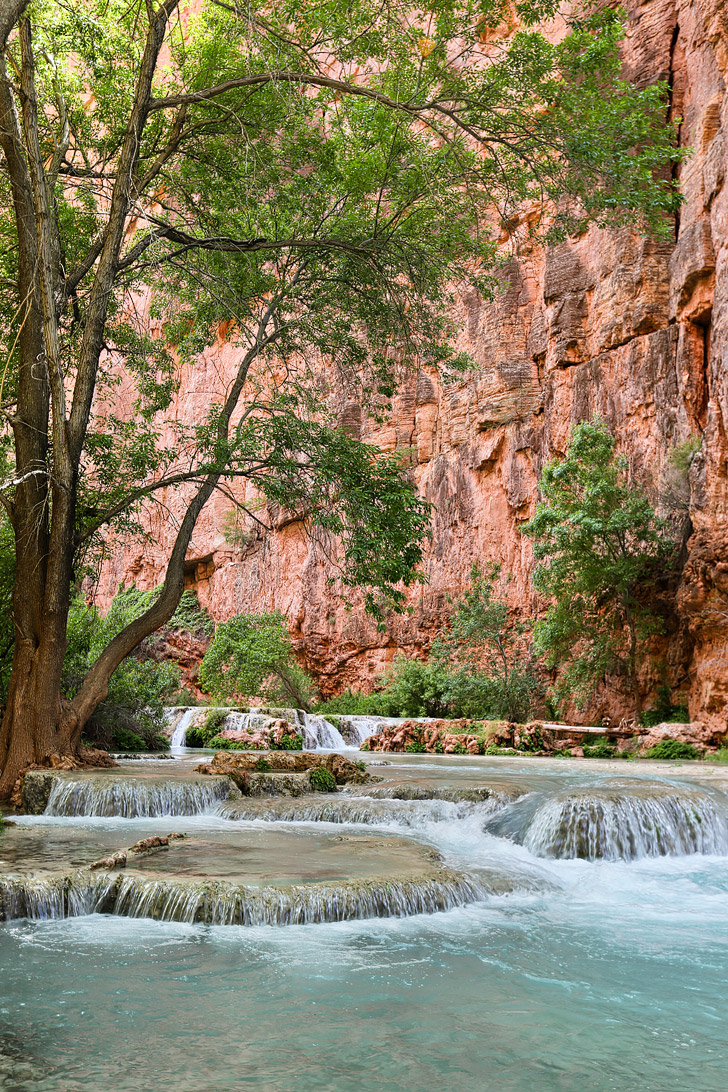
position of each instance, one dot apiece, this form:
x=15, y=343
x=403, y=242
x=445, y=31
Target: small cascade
x=133, y=798
x=612, y=824
x=355, y=810
x=42, y=898
x=186, y=720
x=320, y=734
x=358, y=728
x=217, y=902
x=252, y=721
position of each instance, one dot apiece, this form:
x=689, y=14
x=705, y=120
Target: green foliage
x=415, y=747
x=351, y=703
x=413, y=688
x=292, y=742
x=139, y=689
x=361, y=766
x=600, y=748
x=490, y=673
x=197, y=737
x=263, y=765
x=480, y=669
x=719, y=756
x=123, y=739
x=251, y=655
x=673, y=748
x=664, y=710
x=222, y=743
x=214, y=720
x=601, y=553
x=322, y=780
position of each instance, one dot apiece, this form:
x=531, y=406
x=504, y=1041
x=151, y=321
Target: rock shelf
x=251, y=877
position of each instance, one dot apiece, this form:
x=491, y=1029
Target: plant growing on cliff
x=601, y=552
x=303, y=180
x=251, y=655
x=491, y=673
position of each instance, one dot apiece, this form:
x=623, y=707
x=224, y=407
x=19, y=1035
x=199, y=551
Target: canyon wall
x=610, y=323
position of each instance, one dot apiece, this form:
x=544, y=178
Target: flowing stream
x=470, y=924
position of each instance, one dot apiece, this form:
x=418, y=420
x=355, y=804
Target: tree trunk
x=39, y=725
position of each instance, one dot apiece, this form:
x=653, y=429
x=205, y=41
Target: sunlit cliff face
x=610, y=323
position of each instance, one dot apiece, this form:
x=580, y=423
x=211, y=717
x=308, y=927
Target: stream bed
x=589, y=954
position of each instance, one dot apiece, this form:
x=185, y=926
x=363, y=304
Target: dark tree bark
x=39, y=724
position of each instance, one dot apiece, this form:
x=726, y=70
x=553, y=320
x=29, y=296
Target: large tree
x=313, y=174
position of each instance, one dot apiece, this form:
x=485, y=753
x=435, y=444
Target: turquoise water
x=593, y=976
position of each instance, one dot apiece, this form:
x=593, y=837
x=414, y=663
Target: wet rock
x=94, y=756
x=35, y=789
x=149, y=845
x=114, y=860
x=276, y=784
x=236, y=764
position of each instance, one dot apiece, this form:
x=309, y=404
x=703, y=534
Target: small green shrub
x=460, y=749
x=494, y=749
x=361, y=766
x=263, y=765
x=322, y=780
x=664, y=711
x=353, y=703
x=566, y=753
x=721, y=756
x=672, y=748
x=600, y=749
x=290, y=743
x=214, y=719
x=416, y=747
x=222, y=743
x=123, y=739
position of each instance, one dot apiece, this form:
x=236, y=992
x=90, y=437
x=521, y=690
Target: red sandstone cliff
x=612, y=323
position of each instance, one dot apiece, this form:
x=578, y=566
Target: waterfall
x=320, y=734
x=357, y=728
x=613, y=824
x=132, y=798
x=186, y=720
x=219, y=902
